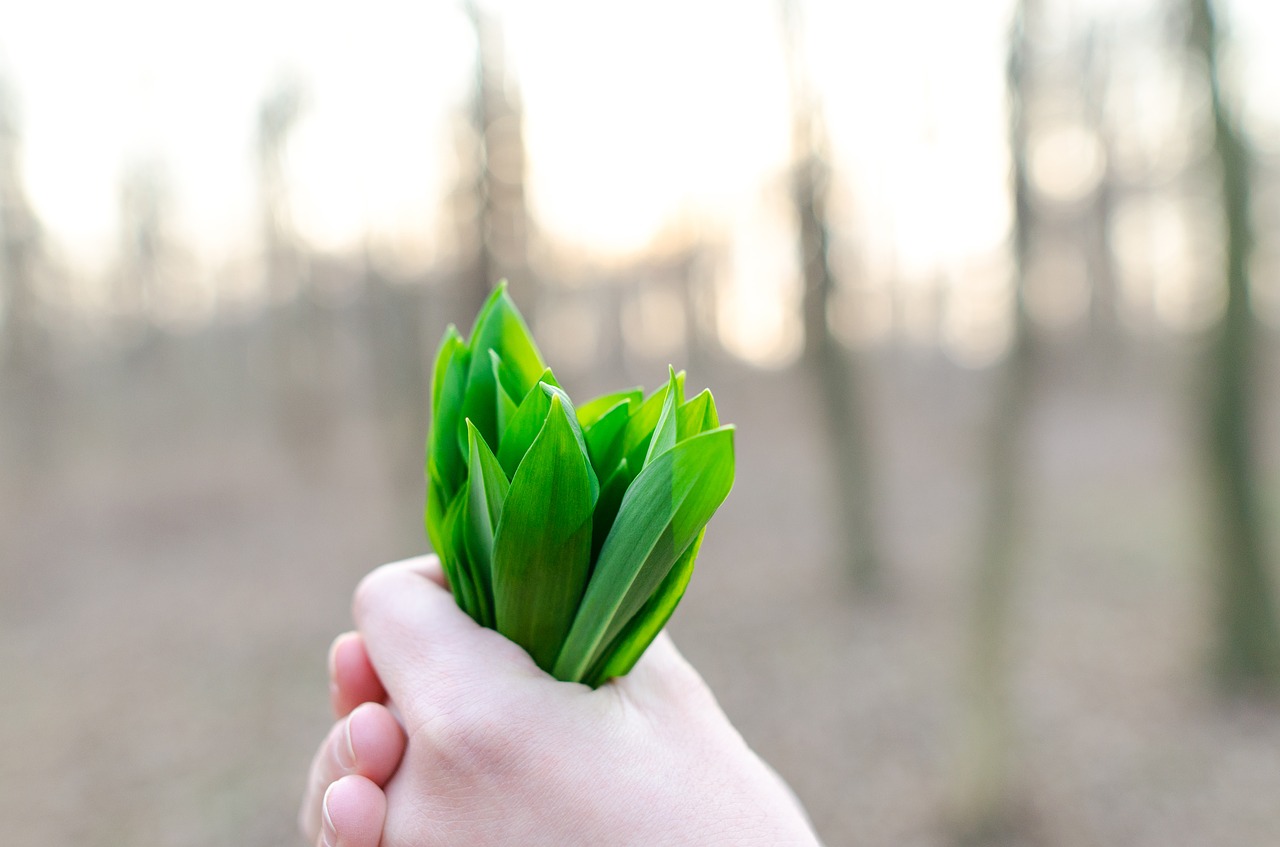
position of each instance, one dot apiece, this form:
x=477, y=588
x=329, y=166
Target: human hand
x=500, y=753
x=344, y=803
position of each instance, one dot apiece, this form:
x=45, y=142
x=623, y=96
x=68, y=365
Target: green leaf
x=528, y=421
x=448, y=387
x=638, y=634
x=604, y=438
x=498, y=327
x=503, y=387
x=506, y=378
x=450, y=345
x=457, y=568
x=611, y=493
x=437, y=505
x=567, y=405
x=594, y=409
x=635, y=441
x=541, y=555
x=664, y=432
x=661, y=515
x=697, y=415
x=486, y=490
x=523, y=428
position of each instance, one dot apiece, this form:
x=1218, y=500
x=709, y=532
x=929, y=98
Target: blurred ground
x=174, y=568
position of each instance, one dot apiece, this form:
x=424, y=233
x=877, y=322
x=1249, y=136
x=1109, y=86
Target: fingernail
x=328, y=834
x=346, y=751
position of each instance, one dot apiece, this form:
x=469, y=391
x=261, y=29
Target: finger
x=351, y=675
x=352, y=679
x=368, y=743
x=420, y=642
x=352, y=814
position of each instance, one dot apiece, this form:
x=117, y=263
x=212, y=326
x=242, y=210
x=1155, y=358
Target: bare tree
x=20, y=239
x=144, y=273
x=29, y=393
x=301, y=334
x=984, y=800
x=825, y=357
x=496, y=221
x=1099, y=216
x=398, y=355
x=1248, y=653
x=278, y=116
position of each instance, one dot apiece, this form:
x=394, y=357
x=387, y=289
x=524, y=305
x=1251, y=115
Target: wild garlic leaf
x=661, y=514
x=595, y=408
x=529, y=418
x=449, y=385
x=541, y=555
x=607, y=506
x=629, y=645
x=639, y=432
x=556, y=391
x=434, y=513
x=458, y=569
x=604, y=437
x=498, y=327
x=696, y=416
x=450, y=346
x=664, y=431
x=505, y=390
x=487, y=489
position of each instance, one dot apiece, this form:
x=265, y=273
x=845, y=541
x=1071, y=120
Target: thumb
x=421, y=643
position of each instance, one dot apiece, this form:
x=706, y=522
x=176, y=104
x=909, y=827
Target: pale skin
x=449, y=734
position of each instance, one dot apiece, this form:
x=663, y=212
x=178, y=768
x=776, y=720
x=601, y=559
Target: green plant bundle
x=570, y=530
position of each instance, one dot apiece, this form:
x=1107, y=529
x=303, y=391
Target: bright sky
x=636, y=115
x=634, y=112
x=104, y=84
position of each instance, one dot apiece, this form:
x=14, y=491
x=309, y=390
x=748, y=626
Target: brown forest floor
x=172, y=576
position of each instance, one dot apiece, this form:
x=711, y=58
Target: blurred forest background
x=991, y=289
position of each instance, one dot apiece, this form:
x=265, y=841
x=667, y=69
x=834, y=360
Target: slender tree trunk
x=984, y=787
x=984, y=800
x=29, y=388
x=825, y=357
x=300, y=332
x=1248, y=652
x=392, y=318
x=501, y=222
x=1104, y=296
x=19, y=246
x=829, y=361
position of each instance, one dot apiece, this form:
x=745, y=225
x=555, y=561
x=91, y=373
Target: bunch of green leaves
x=571, y=530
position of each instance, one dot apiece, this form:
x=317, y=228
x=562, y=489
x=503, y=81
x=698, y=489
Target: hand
x=500, y=753
x=344, y=803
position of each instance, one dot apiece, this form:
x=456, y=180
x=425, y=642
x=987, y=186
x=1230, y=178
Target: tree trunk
x=825, y=357
x=984, y=802
x=29, y=387
x=1248, y=652
x=500, y=227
